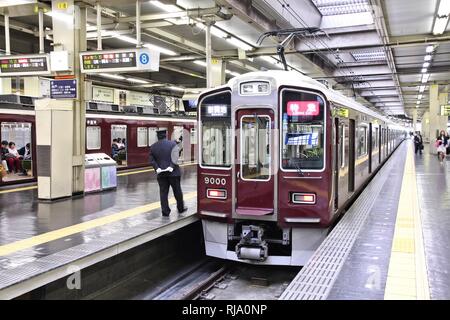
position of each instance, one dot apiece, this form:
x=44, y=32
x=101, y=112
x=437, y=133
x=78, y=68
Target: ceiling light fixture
x=420, y=96
x=135, y=80
x=165, y=7
x=425, y=77
x=427, y=57
x=112, y=76
x=426, y=65
x=424, y=70
x=240, y=44
x=421, y=89
x=429, y=49
x=441, y=20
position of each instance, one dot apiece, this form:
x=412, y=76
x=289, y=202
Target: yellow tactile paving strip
x=407, y=276
x=84, y=226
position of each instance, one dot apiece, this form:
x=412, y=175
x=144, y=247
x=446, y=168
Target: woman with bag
x=441, y=145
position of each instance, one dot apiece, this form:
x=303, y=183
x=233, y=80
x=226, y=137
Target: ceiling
x=372, y=50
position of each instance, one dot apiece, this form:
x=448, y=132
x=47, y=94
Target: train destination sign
x=303, y=108
x=24, y=65
x=119, y=60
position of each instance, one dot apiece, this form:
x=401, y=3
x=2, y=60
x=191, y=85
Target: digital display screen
x=255, y=88
x=23, y=64
x=190, y=105
x=218, y=110
x=109, y=60
x=303, y=108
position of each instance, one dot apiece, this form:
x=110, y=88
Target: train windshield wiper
x=298, y=167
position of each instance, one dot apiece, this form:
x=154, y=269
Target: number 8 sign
x=144, y=58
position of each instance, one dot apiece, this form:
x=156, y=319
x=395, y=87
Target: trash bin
x=92, y=174
x=108, y=171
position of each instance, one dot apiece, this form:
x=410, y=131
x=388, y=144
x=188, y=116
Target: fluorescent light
x=214, y=30
x=418, y=102
x=127, y=39
x=112, y=76
x=425, y=77
x=165, y=7
x=424, y=70
x=444, y=8
x=429, y=49
x=271, y=60
x=160, y=49
x=200, y=63
x=147, y=45
x=176, y=88
x=427, y=57
x=135, y=80
x=7, y=3
x=426, y=65
x=240, y=44
x=421, y=89
x=440, y=24
x=420, y=96
x=234, y=74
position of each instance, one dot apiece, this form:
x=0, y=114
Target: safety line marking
x=84, y=226
x=407, y=274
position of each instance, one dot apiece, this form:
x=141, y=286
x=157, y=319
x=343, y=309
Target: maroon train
x=280, y=157
x=17, y=124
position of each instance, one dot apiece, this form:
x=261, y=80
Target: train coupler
x=252, y=246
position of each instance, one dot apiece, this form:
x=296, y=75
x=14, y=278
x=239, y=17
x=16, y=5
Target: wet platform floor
x=31, y=230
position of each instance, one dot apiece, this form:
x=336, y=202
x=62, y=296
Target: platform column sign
x=63, y=89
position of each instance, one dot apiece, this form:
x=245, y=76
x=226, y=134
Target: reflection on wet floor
x=22, y=216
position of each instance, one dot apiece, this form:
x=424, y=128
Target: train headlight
x=216, y=194
x=303, y=198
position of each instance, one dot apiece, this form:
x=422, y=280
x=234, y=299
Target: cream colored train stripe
x=407, y=275
x=84, y=226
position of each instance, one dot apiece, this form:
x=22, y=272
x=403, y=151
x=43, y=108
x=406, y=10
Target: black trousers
x=417, y=147
x=164, y=184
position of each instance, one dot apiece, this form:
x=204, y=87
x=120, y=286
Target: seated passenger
x=25, y=152
x=120, y=145
x=13, y=158
x=4, y=151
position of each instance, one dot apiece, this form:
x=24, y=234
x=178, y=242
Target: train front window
x=216, y=130
x=303, y=126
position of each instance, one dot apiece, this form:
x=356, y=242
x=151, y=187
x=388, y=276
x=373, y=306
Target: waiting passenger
x=13, y=158
x=4, y=152
x=25, y=152
x=418, y=143
x=442, y=143
x=114, y=149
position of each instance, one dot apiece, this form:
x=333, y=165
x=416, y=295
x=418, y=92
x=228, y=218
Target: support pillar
x=414, y=124
x=437, y=122
x=217, y=72
x=61, y=148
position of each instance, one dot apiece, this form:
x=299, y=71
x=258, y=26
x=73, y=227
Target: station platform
x=393, y=243
x=39, y=242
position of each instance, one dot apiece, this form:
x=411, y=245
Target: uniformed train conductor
x=164, y=159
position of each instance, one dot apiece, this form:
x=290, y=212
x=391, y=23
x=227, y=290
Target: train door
x=120, y=132
x=255, y=179
x=337, y=155
x=351, y=156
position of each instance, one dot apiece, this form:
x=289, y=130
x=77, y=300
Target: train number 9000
x=217, y=181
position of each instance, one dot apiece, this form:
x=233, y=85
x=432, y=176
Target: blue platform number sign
x=144, y=58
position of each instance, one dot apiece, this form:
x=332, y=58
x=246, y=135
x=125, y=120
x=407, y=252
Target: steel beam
x=193, y=13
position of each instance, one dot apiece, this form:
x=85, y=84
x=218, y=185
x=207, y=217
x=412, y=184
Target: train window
x=142, y=137
x=375, y=139
x=215, y=112
x=303, y=126
x=255, y=148
x=152, y=137
x=93, y=137
x=362, y=141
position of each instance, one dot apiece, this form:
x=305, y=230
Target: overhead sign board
x=24, y=65
x=119, y=60
x=63, y=89
x=445, y=110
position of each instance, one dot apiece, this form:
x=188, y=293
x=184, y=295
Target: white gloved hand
x=158, y=171
x=170, y=169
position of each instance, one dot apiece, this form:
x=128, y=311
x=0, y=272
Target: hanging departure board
x=23, y=65
x=119, y=60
